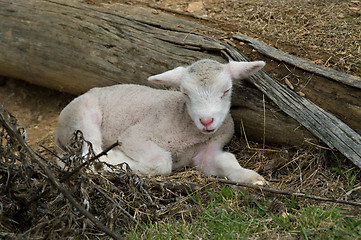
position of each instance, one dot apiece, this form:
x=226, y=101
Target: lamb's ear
x=170, y=78
x=239, y=70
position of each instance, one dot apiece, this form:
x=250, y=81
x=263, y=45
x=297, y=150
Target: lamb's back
x=126, y=105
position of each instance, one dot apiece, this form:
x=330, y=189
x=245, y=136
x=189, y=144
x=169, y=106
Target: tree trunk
x=73, y=47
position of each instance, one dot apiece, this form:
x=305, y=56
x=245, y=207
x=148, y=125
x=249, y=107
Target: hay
x=325, y=32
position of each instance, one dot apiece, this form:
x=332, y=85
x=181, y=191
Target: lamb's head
x=207, y=88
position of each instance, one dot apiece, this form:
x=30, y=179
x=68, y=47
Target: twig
x=197, y=187
x=287, y=193
x=183, y=186
x=244, y=134
x=116, y=204
x=12, y=132
x=77, y=169
x=51, y=152
x=47, y=161
x=264, y=123
x=279, y=55
x=6, y=99
x=178, y=12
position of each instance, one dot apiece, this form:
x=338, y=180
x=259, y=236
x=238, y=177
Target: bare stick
x=117, y=204
x=12, y=132
x=177, y=12
x=77, y=169
x=287, y=193
x=196, y=187
x=51, y=152
x=264, y=123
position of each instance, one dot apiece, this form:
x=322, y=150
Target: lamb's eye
x=186, y=95
x=225, y=93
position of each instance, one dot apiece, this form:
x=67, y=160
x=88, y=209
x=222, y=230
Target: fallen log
x=73, y=47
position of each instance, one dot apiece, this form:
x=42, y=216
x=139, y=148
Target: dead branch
x=178, y=12
x=183, y=187
x=11, y=129
x=191, y=187
x=86, y=163
x=116, y=204
x=279, y=55
x=287, y=193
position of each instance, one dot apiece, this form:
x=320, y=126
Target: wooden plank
x=279, y=55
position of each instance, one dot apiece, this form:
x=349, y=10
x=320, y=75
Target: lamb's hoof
x=255, y=179
x=248, y=176
x=260, y=182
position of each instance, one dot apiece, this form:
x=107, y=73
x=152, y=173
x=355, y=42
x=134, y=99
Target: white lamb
x=161, y=130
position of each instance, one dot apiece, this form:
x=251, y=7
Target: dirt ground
x=36, y=108
x=325, y=32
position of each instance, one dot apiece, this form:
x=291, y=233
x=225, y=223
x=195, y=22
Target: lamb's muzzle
x=207, y=122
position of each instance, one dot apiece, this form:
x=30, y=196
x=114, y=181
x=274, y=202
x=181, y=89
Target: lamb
x=162, y=130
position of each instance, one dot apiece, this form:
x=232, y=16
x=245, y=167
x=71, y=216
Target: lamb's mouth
x=208, y=131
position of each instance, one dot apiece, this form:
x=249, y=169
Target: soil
x=36, y=109
x=327, y=35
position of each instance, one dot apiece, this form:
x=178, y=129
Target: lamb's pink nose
x=206, y=122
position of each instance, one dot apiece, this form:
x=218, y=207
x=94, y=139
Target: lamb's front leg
x=141, y=154
x=224, y=164
x=227, y=165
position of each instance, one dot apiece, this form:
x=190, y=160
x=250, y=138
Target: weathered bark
x=73, y=47
x=281, y=56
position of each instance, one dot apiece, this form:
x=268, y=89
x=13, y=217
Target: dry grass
x=333, y=27
x=325, y=32
x=307, y=169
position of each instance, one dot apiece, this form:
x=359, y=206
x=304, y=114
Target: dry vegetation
x=326, y=32
x=33, y=207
